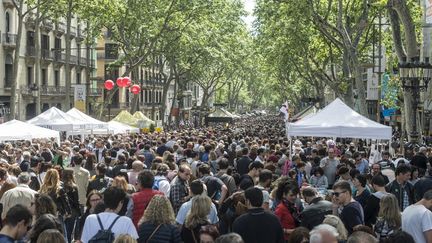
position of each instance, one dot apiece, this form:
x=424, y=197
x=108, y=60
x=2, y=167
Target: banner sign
x=80, y=97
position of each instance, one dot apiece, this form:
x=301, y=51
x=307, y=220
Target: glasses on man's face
x=336, y=194
x=95, y=200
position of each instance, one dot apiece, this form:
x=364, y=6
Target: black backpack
x=104, y=235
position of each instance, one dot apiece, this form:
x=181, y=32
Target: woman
x=44, y=204
x=71, y=190
x=51, y=236
x=389, y=217
x=46, y=221
x=414, y=175
x=286, y=211
x=299, y=235
x=362, y=193
x=319, y=179
x=158, y=222
x=120, y=182
x=196, y=218
x=124, y=239
x=213, y=162
x=208, y=233
x=90, y=163
x=336, y=222
x=93, y=199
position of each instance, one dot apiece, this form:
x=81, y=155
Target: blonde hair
x=51, y=182
x=120, y=182
x=159, y=211
x=389, y=210
x=124, y=239
x=201, y=206
x=336, y=222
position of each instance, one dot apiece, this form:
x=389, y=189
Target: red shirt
x=285, y=217
x=140, y=201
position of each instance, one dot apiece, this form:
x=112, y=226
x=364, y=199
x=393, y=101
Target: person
x=414, y=178
x=216, y=189
x=317, y=208
x=179, y=192
x=372, y=206
x=361, y=237
x=208, y=234
x=389, y=217
x=223, y=175
x=120, y=182
x=264, y=182
x=250, y=177
x=420, y=160
x=417, y=219
x=197, y=217
x=423, y=185
x=71, y=190
x=229, y=238
x=17, y=222
x=43, y=204
x=376, y=170
x=44, y=222
x=337, y=223
x=142, y=198
x=361, y=164
x=124, y=239
x=21, y=194
x=113, y=200
x=351, y=212
x=323, y=233
x=137, y=167
x=256, y=225
x=401, y=188
x=242, y=164
x=399, y=237
x=51, y=236
x=161, y=182
x=93, y=199
x=319, y=179
x=299, y=235
x=100, y=182
x=81, y=176
x=362, y=193
x=286, y=210
x=329, y=165
x=157, y=223
x=196, y=189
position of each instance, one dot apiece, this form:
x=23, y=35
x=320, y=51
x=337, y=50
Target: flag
x=284, y=111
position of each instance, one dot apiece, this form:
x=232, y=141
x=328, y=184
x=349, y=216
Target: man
x=372, y=205
x=196, y=188
x=25, y=163
x=113, y=200
x=227, y=179
x=417, y=219
x=401, y=188
x=329, y=165
x=423, y=185
x=161, y=182
x=34, y=173
x=265, y=180
x=100, y=182
x=148, y=154
x=99, y=151
x=420, y=160
x=21, y=194
x=82, y=179
x=361, y=237
x=142, y=198
x=261, y=155
x=344, y=206
x=256, y=225
x=376, y=170
x=18, y=222
x=317, y=208
x=242, y=164
x=161, y=147
x=216, y=189
x=120, y=165
x=386, y=162
x=324, y=233
x=361, y=164
x=179, y=192
x=250, y=178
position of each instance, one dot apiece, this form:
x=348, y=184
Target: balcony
x=60, y=28
x=8, y=4
x=9, y=41
x=80, y=34
x=82, y=61
x=73, y=32
x=59, y=57
x=47, y=25
x=73, y=60
x=31, y=51
x=46, y=90
x=46, y=55
x=30, y=22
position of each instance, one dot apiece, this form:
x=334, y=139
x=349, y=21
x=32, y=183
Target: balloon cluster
x=123, y=82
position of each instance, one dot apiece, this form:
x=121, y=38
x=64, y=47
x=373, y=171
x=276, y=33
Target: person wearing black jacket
x=423, y=185
x=420, y=160
x=100, y=182
x=401, y=188
x=256, y=225
x=318, y=208
x=242, y=164
x=372, y=206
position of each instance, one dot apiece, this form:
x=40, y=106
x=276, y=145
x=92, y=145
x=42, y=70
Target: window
x=30, y=38
x=8, y=25
x=57, y=78
x=29, y=76
x=111, y=51
x=45, y=42
x=8, y=71
x=44, y=77
x=78, y=78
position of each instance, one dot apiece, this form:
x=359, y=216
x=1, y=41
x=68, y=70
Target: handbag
x=152, y=234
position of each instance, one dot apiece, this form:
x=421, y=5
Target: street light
x=415, y=77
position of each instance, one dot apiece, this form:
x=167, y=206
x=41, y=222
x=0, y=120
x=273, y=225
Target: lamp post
x=415, y=77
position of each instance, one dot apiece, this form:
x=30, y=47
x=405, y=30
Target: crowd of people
x=239, y=183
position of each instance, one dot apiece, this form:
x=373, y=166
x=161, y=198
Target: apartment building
x=51, y=86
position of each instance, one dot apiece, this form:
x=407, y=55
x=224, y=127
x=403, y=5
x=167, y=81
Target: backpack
x=156, y=183
x=104, y=235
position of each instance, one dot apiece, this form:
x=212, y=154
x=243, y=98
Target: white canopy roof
x=92, y=123
x=56, y=119
x=18, y=130
x=339, y=120
x=115, y=127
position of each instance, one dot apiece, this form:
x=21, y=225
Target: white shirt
x=22, y=194
x=163, y=184
x=123, y=225
x=417, y=219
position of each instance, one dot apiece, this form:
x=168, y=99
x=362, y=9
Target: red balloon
x=120, y=82
x=135, y=89
x=109, y=84
x=127, y=81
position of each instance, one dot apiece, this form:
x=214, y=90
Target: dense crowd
x=230, y=183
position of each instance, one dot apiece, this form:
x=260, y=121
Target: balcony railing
x=31, y=51
x=47, y=25
x=46, y=54
x=60, y=27
x=73, y=60
x=46, y=90
x=59, y=56
x=9, y=40
x=73, y=31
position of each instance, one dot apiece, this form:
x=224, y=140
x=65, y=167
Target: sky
x=249, y=6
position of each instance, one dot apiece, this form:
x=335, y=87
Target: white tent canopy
x=56, y=119
x=92, y=123
x=339, y=120
x=115, y=127
x=18, y=130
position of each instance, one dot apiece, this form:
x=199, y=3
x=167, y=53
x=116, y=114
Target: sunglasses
x=336, y=194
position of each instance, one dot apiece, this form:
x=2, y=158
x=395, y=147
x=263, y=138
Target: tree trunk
x=361, y=97
x=67, y=101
